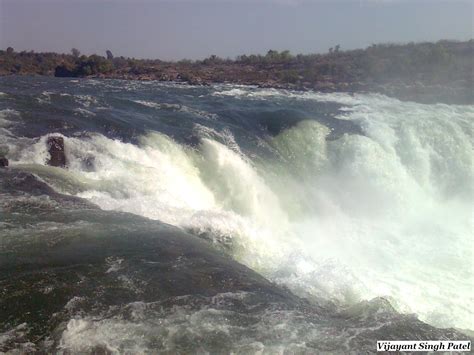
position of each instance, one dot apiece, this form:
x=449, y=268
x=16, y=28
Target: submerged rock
x=56, y=151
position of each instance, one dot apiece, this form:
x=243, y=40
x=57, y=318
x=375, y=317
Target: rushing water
x=339, y=198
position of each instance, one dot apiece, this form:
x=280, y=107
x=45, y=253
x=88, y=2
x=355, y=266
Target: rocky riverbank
x=425, y=72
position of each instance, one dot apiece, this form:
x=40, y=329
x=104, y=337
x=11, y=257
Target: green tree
x=272, y=56
x=286, y=56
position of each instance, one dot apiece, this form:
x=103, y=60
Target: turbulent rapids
x=231, y=219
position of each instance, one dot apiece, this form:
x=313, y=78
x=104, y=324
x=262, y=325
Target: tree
x=75, y=52
x=93, y=65
x=213, y=59
x=286, y=56
x=290, y=76
x=272, y=55
x=110, y=56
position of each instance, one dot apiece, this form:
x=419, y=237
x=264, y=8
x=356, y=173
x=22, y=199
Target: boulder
x=56, y=152
x=3, y=162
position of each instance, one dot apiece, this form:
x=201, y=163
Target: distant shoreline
x=423, y=72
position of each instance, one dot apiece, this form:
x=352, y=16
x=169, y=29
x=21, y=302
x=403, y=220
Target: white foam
x=150, y=329
x=148, y=103
x=44, y=97
x=394, y=206
x=86, y=100
x=176, y=107
x=5, y=114
x=210, y=324
x=84, y=112
x=115, y=264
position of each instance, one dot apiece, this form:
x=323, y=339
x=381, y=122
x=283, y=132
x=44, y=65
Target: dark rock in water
x=3, y=162
x=88, y=163
x=56, y=151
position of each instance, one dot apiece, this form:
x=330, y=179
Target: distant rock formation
x=56, y=152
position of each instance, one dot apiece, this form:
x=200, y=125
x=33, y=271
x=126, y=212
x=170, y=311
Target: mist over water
x=341, y=198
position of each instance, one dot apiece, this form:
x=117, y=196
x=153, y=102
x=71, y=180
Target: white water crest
x=386, y=213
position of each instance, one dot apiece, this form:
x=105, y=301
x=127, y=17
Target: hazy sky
x=178, y=29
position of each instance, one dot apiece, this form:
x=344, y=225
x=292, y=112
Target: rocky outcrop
x=56, y=152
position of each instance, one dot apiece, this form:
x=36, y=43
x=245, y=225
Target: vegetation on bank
x=443, y=62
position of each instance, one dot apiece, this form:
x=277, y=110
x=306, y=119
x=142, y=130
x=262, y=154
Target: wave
x=177, y=107
x=226, y=322
x=383, y=213
x=5, y=114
